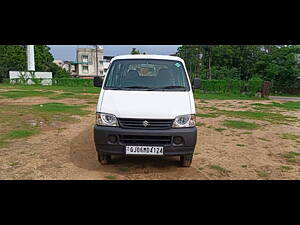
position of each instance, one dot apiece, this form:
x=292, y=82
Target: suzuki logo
x=145, y=123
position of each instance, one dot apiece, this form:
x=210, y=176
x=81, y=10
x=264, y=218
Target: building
x=67, y=65
x=89, y=64
x=106, y=63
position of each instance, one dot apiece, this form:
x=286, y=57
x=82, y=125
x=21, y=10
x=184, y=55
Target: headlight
x=184, y=121
x=105, y=119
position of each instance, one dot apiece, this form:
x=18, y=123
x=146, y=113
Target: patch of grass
x=210, y=96
x=284, y=168
x=220, y=129
x=198, y=124
x=263, y=139
x=274, y=118
x=293, y=137
x=91, y=90
x=59, y=108
x=110, y=177
x=212, y=108
x=16, y=134
x=291, y=155
x=12, y=164
x=207, y=115
x=293, y=160
x=219, y=169
x=240, y=125
x=240, y=145
x=246, y=133
x=244, y=166
x=124, y=169
x=262, y=174
x=22, y=94
x=291, y=106
x=14, y=119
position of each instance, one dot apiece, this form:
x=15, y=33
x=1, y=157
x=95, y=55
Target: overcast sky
x=68, y=52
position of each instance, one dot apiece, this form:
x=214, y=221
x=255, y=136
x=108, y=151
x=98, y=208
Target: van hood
x=144, y=104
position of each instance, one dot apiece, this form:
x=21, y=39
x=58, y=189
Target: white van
x=146, y=107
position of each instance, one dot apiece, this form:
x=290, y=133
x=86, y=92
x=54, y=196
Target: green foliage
x=276, y=63
x=14, y=94
x=134, y=51
x=15, y=134
x=240, y=125
x=249, y=88
x=73, y=82
x=13, y=58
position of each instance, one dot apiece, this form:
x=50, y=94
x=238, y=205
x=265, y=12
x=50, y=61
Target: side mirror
x=196, y=83
x=98, y=81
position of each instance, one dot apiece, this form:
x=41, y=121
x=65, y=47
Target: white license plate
x=144, y=150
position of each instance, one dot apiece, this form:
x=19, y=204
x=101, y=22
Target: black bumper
x=102, y=139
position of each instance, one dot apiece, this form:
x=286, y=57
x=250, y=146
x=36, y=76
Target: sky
x=68, y=52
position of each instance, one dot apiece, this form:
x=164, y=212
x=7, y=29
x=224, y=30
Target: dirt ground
x=68, y=153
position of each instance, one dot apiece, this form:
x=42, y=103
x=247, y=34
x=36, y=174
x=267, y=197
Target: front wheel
x=186, y=160
x=104, y=159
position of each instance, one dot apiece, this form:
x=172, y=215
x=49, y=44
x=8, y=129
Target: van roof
x=163, y=57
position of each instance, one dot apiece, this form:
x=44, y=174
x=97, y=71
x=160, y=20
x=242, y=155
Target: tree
x=13, y=58
x=135, y=52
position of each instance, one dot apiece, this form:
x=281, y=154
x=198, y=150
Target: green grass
x=285, y=168
x=90, y=90
x=54, y=108
x=274, y=118
x=293, y=137
x=110, y=177
x=291, y=155
x=23, y=94
x=207, y=115
x=292, y=105
x=246, y=133
x=212, y=96
x=240, y=145
x=220, y=129
x=15, y=119
x=219, y=169
x=198, y=124
x=16, y=134
x=124, y=169
x=244, y=166
x=263, y=139
x=240, y=125
x=262, y=174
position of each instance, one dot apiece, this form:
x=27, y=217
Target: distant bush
x=72, y=82
x=250, y=87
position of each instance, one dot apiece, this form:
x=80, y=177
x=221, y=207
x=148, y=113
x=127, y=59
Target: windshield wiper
x=172, y=87
x=138, y=87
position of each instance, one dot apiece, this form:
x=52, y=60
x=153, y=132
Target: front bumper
x=103, y=144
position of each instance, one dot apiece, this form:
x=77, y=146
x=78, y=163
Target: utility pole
x=97, y=61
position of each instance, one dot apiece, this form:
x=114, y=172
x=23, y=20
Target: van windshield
x=147, y=74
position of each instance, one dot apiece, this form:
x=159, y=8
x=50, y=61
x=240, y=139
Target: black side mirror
x=98, y=81
x=196, y=83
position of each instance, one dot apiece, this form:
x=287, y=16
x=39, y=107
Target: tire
x=104, y=159
x=186, y=160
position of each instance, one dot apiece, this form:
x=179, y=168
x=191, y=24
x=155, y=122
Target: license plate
x=144, y=150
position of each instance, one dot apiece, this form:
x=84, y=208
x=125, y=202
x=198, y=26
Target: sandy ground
x=68, y=152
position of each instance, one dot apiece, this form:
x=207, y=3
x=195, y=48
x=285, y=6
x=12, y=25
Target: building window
x=85, y=58
x=85, y=69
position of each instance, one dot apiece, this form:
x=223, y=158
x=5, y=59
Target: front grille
x=145, y=123
x=145, y=140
